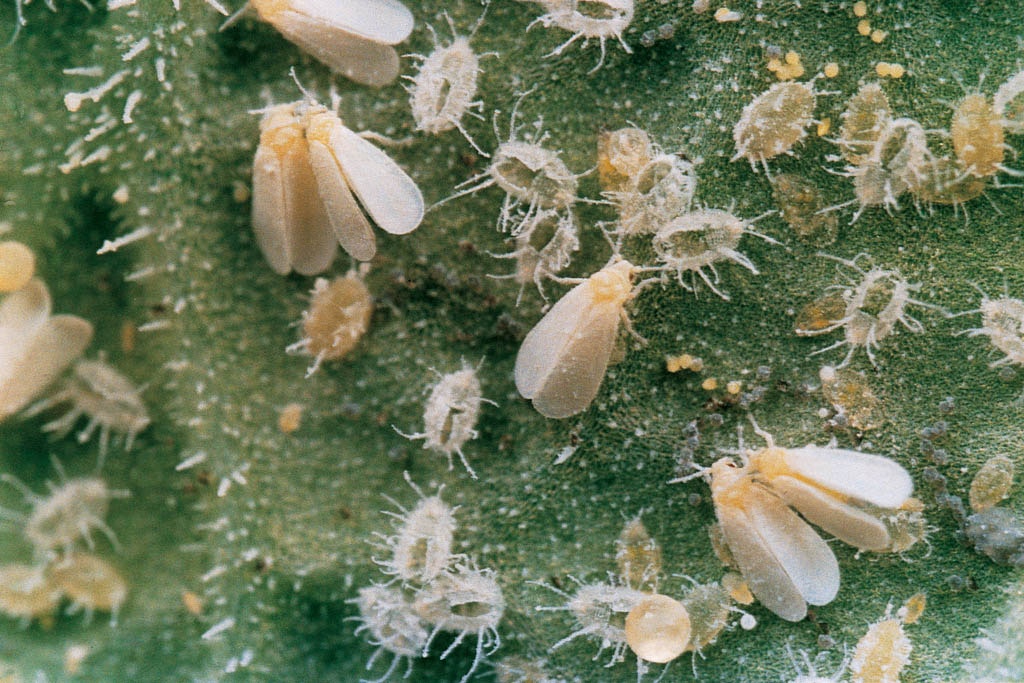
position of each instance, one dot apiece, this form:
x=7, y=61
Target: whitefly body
x=69, y=513
x=421, y=549
x=352, y=37
x=35, y=347
x=109, y=399
x=544, y=250
x=91, y=583
x=563, y=360
x=588, y=20
x=874, y=306
x=309, y=171
x=466, y=601
x=534, y=178
x=695, y=241
x=444, y=89
x=1002, y=321
x=661, y=191
x=393, y=626
x=774, y=122
x=451, y=413
x=600, y=611
x=785, y=563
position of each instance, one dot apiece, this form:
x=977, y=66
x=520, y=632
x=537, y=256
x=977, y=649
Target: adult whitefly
x=352, y=37
x=35, y=348
x=308, y=173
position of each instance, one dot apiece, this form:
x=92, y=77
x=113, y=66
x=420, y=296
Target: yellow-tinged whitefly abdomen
x=26, y=592
x=881, y=653
x=992, y=483
x=978, y=137
x=89, y=582
x=338, y=317
x=17, y=266
x=562, y=361
x=658, y=629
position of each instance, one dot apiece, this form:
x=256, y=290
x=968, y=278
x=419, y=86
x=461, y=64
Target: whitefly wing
x=563, y=359
x=55, y=345
x=360, y=59
x=388, y=194
x=269, y=210
x=311, y=242
x=22, y=313
x=863, y=476
x=785, y=563
x=846, y=522
x=380, y=21
x=350, y=225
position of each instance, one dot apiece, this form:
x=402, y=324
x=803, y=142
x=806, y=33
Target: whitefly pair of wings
x=785, y=562
x=34, y=348
x=563, y=359
x=352, y=37
x=304, y=200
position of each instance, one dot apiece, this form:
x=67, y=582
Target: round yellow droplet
x=860, y=9
x=831, y=70
x=792, y=58
x=734, y=387
x=878, y=36
x=17, y=266
x=896, y=70
x=290, y=418
x=864, y=27
x=883, y=68
x=658, y=629
x=710, y=384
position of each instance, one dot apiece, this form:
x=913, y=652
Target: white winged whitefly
x=352, y=37
x=35, y=346
x=309, y=171
x=785, y=562
x=562, y=361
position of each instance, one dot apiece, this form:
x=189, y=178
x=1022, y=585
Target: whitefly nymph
x=70, y=512
x=90, y=583
x=392, y=625
x=774, y=122
x=338, y=316
x=600, y=611
x=588, y=19
x=661, y=191
x=420, y=550
x=543, y=251
x=109, y=399
x=467, y=601
x=873, y=307
x=451, y=413
x=444, y=89
x=533, y=177
x=695, y=241
x=1002, y=321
